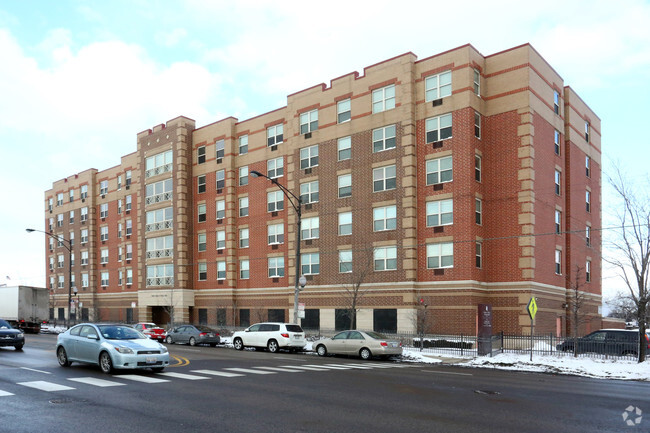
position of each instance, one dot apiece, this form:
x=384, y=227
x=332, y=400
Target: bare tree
x=421, y=317
x=576, y=300
x=354, y=290
x=630, y=245
x=622, y=307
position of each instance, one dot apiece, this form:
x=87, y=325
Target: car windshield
x=376, y=335
x=4, y=325
x=113, y=332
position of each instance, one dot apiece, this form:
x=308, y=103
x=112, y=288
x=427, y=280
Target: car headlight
x=123, y=350
x=163, y=349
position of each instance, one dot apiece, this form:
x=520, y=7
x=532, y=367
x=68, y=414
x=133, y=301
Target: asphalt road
x=301, y=393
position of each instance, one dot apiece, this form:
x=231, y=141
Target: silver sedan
x=110, y=347
x=358, y=343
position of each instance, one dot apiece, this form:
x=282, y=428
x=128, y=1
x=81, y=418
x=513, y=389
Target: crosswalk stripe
x=329, y=367
x=283, y=369
x=96, y=382
x=247, y=370
x=45, y=386
x=218, y=373
x=4, y=393
x=361, y=367
x=137, y=378
x=304, y=367
x=183, y=376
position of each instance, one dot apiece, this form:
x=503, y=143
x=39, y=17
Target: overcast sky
x=79, y=79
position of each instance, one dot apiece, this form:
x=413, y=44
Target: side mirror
x=92, y=337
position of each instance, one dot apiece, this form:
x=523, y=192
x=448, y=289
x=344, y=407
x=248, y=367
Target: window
x=200, y=181
x=479, y=255
x=221, y=239
x=157, y=164
x=59, y=220
x=50, y=222
x=203, y=271
x=49, y=204
x=440, y=255
x=276, y=267
x=310, y=264
x=438, y=128
x=275, y=234
x=71, y=195
x=477, y=82
x=275, y=167
x=309, y=192
x=220, y=149
x=556, y=102
x=384, y=218
x=200, y=155
x=477, y=125
x=344, y=148
x=385, y=258
x=60, y=260
x=119, y=206
x=275, y=201
x=345, y=185
x=310, y=228
x=127, y=175
x=439, y=170
x=159, y=191
x=243, y=144
x=437, y=86
x=51, y=241
x=274, y=134
x=558, y=262
x=84, y=280
x=84, y=236
x=119, y=254
x=84, y=191
x=128, y=202
x=384, y=178
x=383, y=138
x=221, y=209
x=345, y=223
x=588, y=235
x=243, y=175
x=440, y=213
x=160, y=275
x=103, y=189
x=103, y=233
x=478, y=165
x=129, y=227
x=244, y=271
x=243, y=238
x=119, y=277
x=51, y=263
x=587, y=130
x=202, y=242
x=202, y=212
x=104, y=256
x=308, y=121
x=61, y=283
x=129, y=276
x=558, y=222
x=308, y=157
x=221, y=179
x=59, y=199
x=343, y=111
x=345, y=261
x=587, y=166
x=104, y=279
x=103, y=210
x=478, y=204
x=383, y=99
x=160, y=219
x=588, y=271
x=556, y=141
x=588, y=201
x=221, y=270
x=558, y=177
x=71, y=238
x=243, y=206
x=84, y=257
x=129, y=250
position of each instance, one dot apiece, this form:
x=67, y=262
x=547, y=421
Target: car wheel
x=169, y=340
x=157, y=369
x=321, y=350
x=238, y=344
x=105, y=362
x=19, y=347
x=272, y=346
x=192, y=341
x=62, y=356
x=365, y=354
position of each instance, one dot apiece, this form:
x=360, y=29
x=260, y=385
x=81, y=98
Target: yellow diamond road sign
x=532, y=308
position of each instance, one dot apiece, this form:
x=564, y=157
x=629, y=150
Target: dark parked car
x=193, y=335
x=10, y=336
x=608, y=342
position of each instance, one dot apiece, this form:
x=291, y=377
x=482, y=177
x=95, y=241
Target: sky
x=80, y=78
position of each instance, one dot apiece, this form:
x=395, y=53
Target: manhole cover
x=60, y=400
x=486, y=392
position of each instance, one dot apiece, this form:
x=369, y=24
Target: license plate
x=393, y=345
x=151, y=360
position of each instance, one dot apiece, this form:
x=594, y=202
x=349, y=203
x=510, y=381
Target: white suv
x=272, y=335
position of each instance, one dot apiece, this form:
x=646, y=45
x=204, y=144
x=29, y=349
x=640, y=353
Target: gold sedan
x=365, y=344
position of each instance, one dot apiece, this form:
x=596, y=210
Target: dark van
x=607, y=342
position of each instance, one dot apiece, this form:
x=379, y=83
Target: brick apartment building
x=451, y=181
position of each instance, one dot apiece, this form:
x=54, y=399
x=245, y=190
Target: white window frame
x=433, y=167
x=438, y=128
x=310, y=263
x=558, y=182
x=243, y=175
x=220, y=177
x=384, y=138
x=274, y=201
x=437, y=86
x=201, y=212
x=556, y=141
x=345, y=223
x=202, y=242
x=276, y=267
x=386, y=216
x=244, y=269
x=385, y=258
x=383, y=99
x=244, y=239
x=243, y=206
x=202, y=271
x=221, y=239
x=243, y=144
x=103, y=256
x=345, y=185
x=220, y=149
x=308, y=121
x=221, y=209
x=345, y=261
x=309, y=157
x=103, y=233
x=200, y=155
x=221, y=269
x=558, y=262
x=384, y=178
x=477, y=82
x=275, y=234
x=441, y=251
x=478, y=211
x=344, y=148
x=275, y=167
x=274, y=134
x=440, y=213
x=344, y=111
x=310, y=228
x=201, y=184
x=309, y=192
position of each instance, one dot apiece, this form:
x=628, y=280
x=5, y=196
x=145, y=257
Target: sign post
x=532, y=310
x=484, y=329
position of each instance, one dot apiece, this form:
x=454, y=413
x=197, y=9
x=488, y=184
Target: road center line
x=447, y=372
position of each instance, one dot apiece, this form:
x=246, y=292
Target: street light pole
x=296, y=203
x=68, y=246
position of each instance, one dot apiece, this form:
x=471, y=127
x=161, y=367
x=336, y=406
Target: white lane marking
x=362, y=367
x=379, y=365
x=282, y=369
x=4, y=393
x=328, y=366
x=38, y=371
x=447, y=372
x=45, y=386
x=217, y=373
x=247, y=370
x=137, y=378
x=183, y=376
x=304, y=367
x=96, y=382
